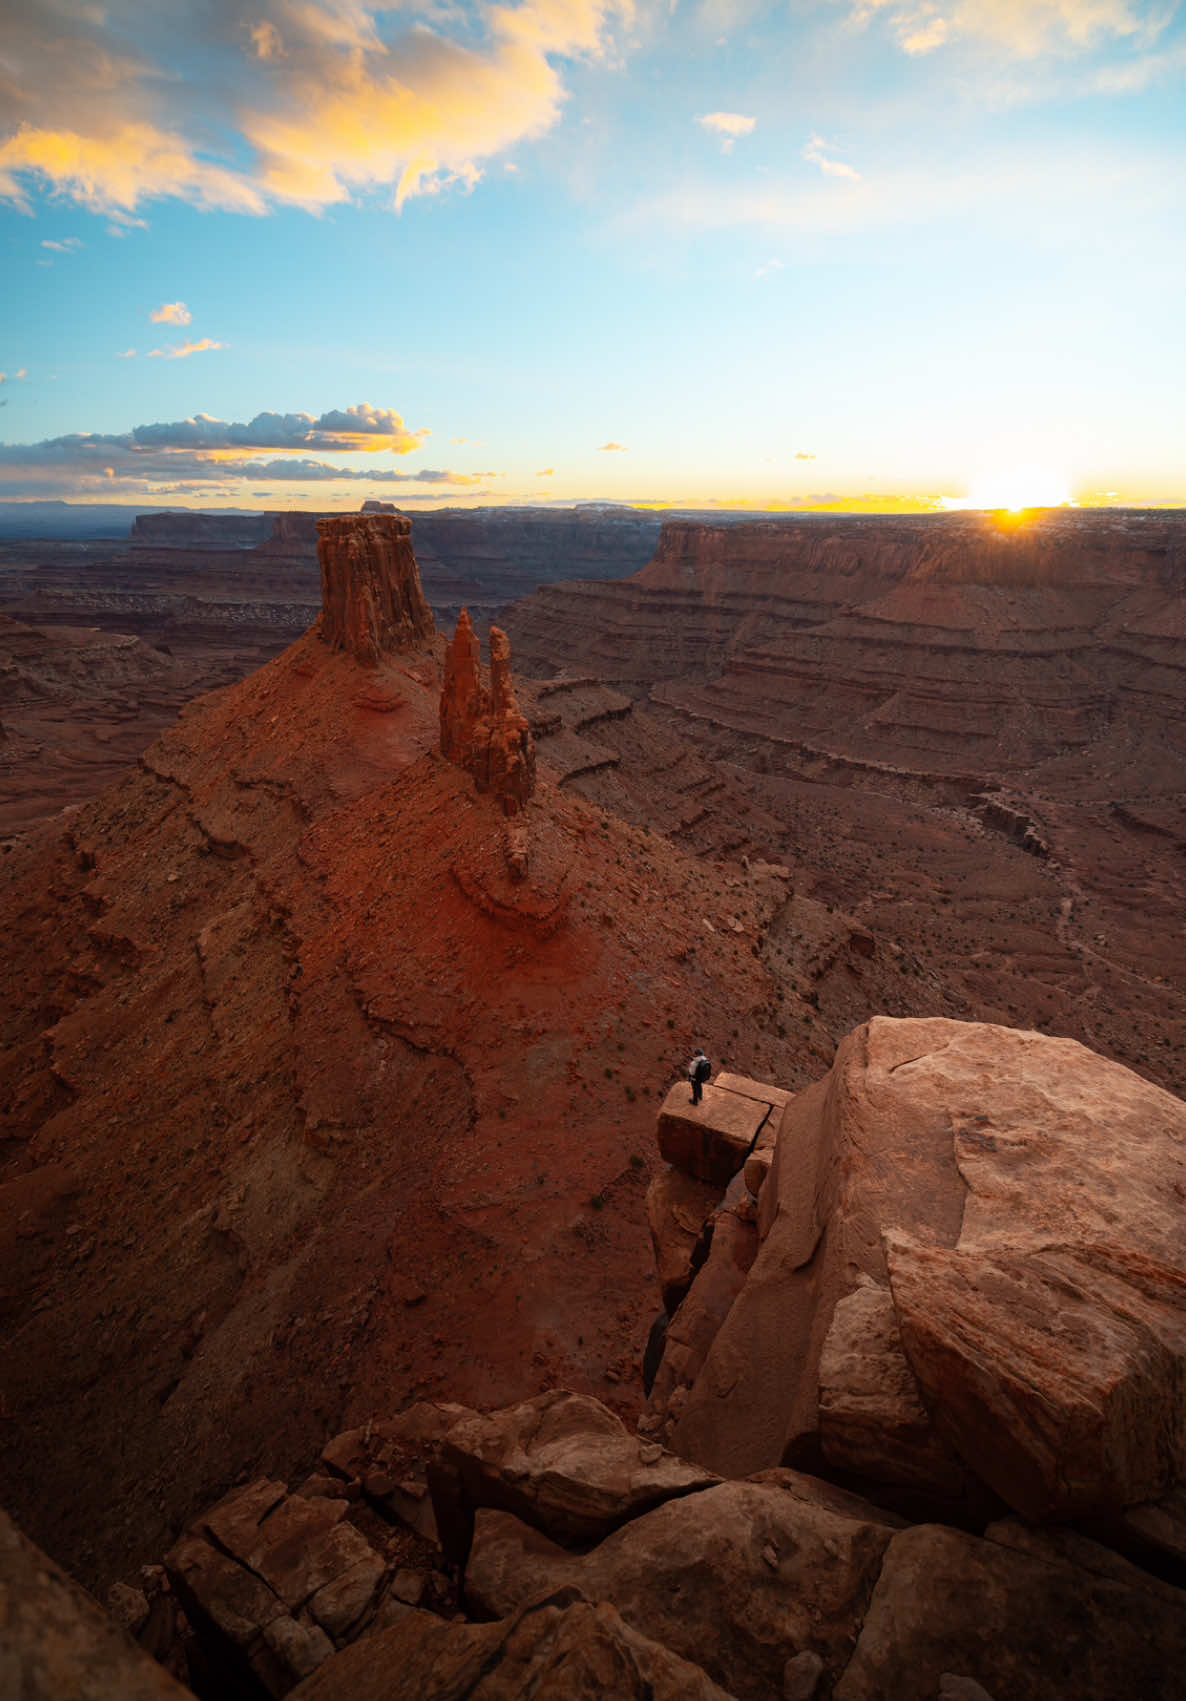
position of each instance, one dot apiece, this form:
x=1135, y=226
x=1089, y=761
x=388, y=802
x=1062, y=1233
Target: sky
x=867, y=254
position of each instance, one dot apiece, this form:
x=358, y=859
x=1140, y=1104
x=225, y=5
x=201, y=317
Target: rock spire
x=483, y=731
x=371, y=598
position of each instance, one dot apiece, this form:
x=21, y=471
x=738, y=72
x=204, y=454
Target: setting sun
x=1016, y=488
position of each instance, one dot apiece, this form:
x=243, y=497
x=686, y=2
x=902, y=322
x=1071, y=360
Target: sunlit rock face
x=485, y=731
x=372, y=600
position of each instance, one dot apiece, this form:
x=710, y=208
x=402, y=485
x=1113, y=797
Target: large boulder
x=1015, y=1201
x=1020, y=1626
x=739, y=1580
x=566, y=1650
x=561, y=1462
x=56, y=1642
x=710, y=1140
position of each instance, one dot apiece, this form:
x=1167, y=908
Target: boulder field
x=993, y=1503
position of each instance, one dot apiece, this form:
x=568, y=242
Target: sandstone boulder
x=710, y=1140
x=739, y=1579
x=561, y=1462
x=275, y=1581
x=387, y=1462
x=568, y=1650
x=1016, y=1202
x=1023, y=1628
x=56, y=1641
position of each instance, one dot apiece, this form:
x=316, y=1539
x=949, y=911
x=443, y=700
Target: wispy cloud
x=1023, y=28
x=612, y=449
x=128, y=354
x=728, y=126
x=182, y=351
x=800, y=456
x=817, y=152
x=172, y=313
x=769, y=266
x=329, y=107
x=546, y=472
x=69, y=245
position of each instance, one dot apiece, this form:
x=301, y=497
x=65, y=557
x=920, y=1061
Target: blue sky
x=834, y=252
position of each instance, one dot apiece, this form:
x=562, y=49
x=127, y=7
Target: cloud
x=815, y=151
x=1023, y=28
x=203, y=454
x=128, y=354
x=67, y=246
x=172, y=313
x=612, y=449
x=182, y=351
x=307, y=102
x=769, y=266
x=728, y=126
x=546, y=472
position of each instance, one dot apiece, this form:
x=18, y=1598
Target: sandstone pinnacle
x=483, y=731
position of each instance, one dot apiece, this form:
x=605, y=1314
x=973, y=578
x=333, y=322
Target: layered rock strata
x=942, y=648
x=483, y=731
x=372, y=601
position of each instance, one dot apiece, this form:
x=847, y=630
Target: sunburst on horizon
x=1016, y=489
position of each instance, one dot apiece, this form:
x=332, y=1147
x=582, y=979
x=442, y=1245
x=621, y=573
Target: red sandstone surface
x=324, y=1087
x=310, y=1106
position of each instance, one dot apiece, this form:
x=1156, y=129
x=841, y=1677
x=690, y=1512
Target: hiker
x=699, y=1069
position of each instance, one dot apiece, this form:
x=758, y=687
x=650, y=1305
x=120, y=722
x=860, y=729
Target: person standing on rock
x=699, y=1069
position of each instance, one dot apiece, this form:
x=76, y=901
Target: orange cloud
x=330, y=106
x=182, y=351
x=172, y=313
x=612, y=449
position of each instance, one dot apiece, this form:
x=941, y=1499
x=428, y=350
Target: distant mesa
x=371, y=597
x=485, y=732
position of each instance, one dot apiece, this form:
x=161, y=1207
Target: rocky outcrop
x=55, y=1641
x=971, y=1272
x=484, y=731
x=561, y=1650
x=561, y=1462
x=372, y=601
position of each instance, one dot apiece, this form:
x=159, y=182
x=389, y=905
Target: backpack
x=702, y=1070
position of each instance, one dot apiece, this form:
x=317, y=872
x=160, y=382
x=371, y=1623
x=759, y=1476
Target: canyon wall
x=951, y=648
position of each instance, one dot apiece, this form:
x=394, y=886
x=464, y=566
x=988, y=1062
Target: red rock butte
x=372, y=601
x=484, y=731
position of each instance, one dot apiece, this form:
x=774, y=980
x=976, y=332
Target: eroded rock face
x=562, y=1462
x=372, y=601
x=484, y=731
x=738, y=1579
x=972, y=1254
x=563, y=1650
